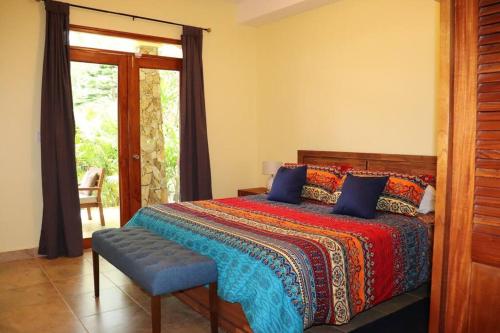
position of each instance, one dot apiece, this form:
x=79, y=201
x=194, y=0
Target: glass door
x=156, y=86
x=99, y=85
x=126, y=103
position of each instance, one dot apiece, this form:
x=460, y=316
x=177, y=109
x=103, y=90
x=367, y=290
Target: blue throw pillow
x=287, y=184
x=359, y=196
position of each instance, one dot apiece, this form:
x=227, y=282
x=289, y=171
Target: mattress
x=294, y=266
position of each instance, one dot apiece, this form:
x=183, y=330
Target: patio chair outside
x=90, y=191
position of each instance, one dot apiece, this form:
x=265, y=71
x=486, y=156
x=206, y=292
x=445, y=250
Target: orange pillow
x=321, y=182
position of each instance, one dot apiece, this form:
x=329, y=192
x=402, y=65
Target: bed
x=284, y=267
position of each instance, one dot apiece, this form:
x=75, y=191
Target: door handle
x=136, y=157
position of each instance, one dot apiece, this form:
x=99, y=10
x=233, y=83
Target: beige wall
x=356, y=75
x=229, y=60
x=350, y=76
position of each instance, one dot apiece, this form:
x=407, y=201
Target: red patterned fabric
x=331, y=267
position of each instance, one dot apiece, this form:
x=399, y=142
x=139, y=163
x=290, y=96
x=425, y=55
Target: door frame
x=443, y=174
x=136, y=63
x=129, y=65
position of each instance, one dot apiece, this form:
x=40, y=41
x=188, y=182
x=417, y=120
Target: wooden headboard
x=409, y=164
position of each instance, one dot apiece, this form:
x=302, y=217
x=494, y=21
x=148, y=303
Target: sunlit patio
x=111, y=218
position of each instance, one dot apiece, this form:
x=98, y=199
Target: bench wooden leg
x=214, y=320
x=156, y=313
x=95, y=264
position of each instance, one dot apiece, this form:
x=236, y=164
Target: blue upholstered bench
x=158, y=265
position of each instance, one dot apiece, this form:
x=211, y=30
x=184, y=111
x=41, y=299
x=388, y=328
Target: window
x=113, y=43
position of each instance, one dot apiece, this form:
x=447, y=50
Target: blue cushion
x=359, y=196
x=158, y=265
x=287, y=184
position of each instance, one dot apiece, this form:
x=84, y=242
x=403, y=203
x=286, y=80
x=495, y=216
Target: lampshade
x=270, y=167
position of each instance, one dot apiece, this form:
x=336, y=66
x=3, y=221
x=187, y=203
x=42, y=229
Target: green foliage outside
x=95, y=95
x=169, y=89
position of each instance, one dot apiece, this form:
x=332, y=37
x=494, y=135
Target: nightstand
x=251, y=191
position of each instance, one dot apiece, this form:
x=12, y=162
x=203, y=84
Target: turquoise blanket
x=241, y=278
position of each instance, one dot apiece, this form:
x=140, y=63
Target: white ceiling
x=257, y=12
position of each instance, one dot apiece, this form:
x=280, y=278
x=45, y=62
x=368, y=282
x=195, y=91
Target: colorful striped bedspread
x=294, y=266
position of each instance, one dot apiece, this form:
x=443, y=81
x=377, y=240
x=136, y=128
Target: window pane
x=84, y=39
x=95, y=105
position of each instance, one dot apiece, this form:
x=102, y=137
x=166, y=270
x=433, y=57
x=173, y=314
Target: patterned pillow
x=402, y=194
x=322, y=181
x=429, y=179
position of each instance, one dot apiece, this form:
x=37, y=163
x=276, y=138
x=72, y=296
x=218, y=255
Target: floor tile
x=81, y=284
x=21, y=273
x=53, y=317
x=36, y=294
x=138, y=295
x=117, y=277
x=128, y=320
x=194, y=327
x=16, y=255
x=110, y=299
x=176, y=314
x=61, y=261
x=104, y=265
x=67, y=269
x=87, y=254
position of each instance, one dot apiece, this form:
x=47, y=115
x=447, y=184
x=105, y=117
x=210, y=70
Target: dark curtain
x=61, y=233
x=194, y=163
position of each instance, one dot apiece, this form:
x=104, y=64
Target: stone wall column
x=153, y=175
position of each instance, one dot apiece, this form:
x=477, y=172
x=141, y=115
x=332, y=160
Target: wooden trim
x=412, y=164
x=101, y=51
x=87, y=243
x=156, y=62
x=123, y=34
x=455, y=307
x=438, y=288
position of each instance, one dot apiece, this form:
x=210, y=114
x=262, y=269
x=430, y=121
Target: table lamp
x=270, y=168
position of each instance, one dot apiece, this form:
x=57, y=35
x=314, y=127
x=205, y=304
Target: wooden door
x=129, y=120
x=466, y=268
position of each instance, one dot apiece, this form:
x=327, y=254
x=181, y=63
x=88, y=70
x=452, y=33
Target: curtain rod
x=130, y=15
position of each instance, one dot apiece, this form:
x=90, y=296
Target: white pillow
x=428, y=201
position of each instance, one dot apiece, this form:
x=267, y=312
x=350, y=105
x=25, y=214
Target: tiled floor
x=52, y=296
x=40, y=295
